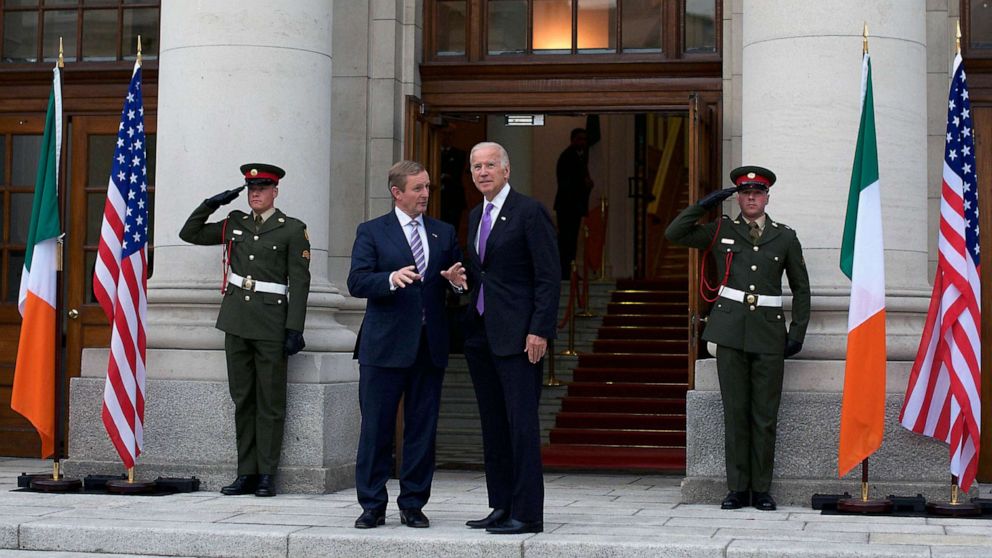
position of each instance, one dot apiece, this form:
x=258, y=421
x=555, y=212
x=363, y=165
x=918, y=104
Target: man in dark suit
x=572, y=197
x=402, y=263
x=515, y=280
x=747, y=323
x=262, y=315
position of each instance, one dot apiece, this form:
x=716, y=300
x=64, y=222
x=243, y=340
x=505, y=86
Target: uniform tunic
x=255, y=322
x=751, y=338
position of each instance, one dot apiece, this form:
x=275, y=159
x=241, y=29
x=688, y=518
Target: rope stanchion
x=552, y=380
x=584, y=299
x=604, y=210
x=570, y=313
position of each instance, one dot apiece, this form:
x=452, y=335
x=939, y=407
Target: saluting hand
x=456, y=276
x=536, y=347
x=405, y=276
x=223, y=198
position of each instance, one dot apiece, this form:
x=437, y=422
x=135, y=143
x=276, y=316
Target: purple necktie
x=487, y=225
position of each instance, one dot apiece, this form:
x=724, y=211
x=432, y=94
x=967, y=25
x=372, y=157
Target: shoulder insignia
x=787, y=226
x=775, y=225
x=306, y=254
x=306, y=235
x=281, y=220
x=737, y=222
x=245, y=217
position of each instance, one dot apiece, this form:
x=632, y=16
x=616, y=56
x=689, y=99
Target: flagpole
x=130, y=485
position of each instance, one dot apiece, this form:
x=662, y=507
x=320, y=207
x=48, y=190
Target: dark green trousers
x=256, y=377
x=751, y=388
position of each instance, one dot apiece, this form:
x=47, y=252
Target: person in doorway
x=262, y=315
x=572, y=197
x=747, y=323
x=453, y=168
x=403, y=263
x=511, y=316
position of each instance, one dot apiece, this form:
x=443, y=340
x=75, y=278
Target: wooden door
x=982, y=118
x=703, y=161
x=421, y=144
x=88, y=155
x=20, y=146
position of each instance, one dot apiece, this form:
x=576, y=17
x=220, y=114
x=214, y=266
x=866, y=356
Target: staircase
x=625, y=406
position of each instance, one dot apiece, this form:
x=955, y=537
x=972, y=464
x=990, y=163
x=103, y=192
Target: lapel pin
x=434, y=235
x=502, y=218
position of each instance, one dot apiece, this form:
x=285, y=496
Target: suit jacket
x=277, y=253
x=521, y=274
x=390, y=332
x=755, y=268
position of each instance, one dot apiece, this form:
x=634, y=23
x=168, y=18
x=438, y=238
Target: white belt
x=750, y=298
x=250, y=284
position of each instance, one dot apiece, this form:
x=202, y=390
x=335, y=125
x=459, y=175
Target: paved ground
x=585, y=516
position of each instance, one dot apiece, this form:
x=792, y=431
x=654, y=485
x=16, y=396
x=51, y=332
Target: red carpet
x=625, y=408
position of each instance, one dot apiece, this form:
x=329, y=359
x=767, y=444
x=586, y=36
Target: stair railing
x=584, y=279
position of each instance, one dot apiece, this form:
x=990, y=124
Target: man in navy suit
x=402, y=262
x=515, y=279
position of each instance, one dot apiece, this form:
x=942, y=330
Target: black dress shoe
x=514, y=527
x=266, y=486
x=414, y=518
x=764, y=501
x=370, y=519
x=735, y=500
x=244, y=484
x=494, y=517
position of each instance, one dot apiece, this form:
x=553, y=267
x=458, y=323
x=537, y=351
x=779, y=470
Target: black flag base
x=863, y=506
x=954, y=509
x=49, y=484
x=130, y=486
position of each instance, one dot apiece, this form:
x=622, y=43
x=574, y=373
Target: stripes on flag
x=943, y=397
x=862, y=419
x=120, y=279
x=33, y=394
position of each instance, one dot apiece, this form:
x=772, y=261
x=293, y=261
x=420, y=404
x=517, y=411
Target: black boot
x=244, y=484
x=266, y=485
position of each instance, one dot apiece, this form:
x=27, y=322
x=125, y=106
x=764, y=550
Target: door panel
x=20, y=141
x=982, y=117
x=702, y=178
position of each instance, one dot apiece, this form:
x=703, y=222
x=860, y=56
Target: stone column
x=801, y=71
x=239, y=81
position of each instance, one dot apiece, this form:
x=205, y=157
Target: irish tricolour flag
x=862, y=417
x=34, y=375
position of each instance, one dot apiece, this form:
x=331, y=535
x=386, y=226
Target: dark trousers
x=568, y=240
x=379, y=393
x=508, y=390
x=256, y=377
x=751, y=389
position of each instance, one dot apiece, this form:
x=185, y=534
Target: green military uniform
x=750, y=332
x=276, y=251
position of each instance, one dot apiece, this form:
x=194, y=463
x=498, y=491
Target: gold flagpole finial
x=61, y=59
x=139, y=49
x=957, y=40
x=865, y=42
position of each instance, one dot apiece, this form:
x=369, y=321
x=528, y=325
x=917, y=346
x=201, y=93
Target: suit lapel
x=433, y=247
x=500, y=222
x=395, y=233
x=473, y=232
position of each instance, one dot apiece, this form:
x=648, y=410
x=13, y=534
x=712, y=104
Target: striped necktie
x=418, y=248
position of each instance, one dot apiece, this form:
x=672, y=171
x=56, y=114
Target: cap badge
x=254, y=172
x=751, y=175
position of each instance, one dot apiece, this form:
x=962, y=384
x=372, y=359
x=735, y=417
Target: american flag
x=120, y=279
x=942, y=399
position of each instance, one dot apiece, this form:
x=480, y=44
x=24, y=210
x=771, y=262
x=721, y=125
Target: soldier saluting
x=748, y=325
x=267, y=281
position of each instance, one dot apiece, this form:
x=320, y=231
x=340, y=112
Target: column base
x=189, y=423
x=807, y=442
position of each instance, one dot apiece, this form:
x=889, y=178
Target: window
x=91, y=30
x=498, y=28
x=979, y=31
